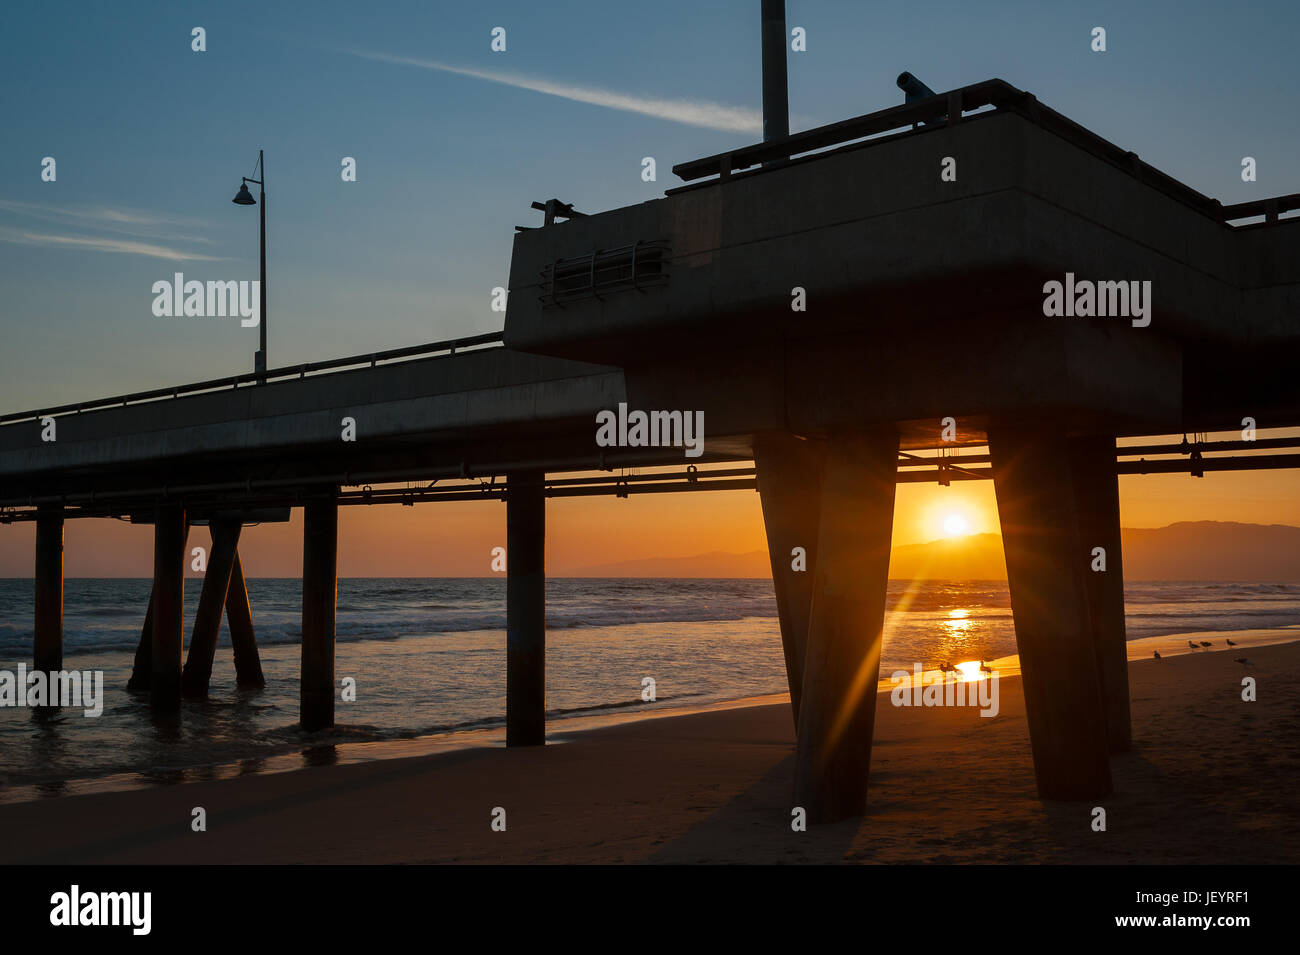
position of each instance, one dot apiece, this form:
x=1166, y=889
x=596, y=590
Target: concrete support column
x=212, y=600
x=842, y=660
x=1046, y=573
x=319, y=603
x=47, y=652
x=143, y=666
x=1096, y=487
x=525, y=608
x=790, y=488
x=169, y=532
x=239, y=617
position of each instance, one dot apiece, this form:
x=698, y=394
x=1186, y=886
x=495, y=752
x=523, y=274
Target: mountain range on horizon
x=1187, y=550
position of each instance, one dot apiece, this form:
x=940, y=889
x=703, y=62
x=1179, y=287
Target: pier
x=922, y=353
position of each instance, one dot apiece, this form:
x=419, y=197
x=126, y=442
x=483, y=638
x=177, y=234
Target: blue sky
x=151, y=139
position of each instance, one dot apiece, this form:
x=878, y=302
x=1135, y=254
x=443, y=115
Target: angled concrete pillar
x=168, y=608
x=1047, y=566
x=143, y=666
x=239, y=617
x=212, y=600
x=837, y=710
x=47, y=652
x=319, y=605
x=790, y=489
x=1096, y=486
x=525, y=608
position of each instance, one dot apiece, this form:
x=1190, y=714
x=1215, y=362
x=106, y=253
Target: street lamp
x=245, y=198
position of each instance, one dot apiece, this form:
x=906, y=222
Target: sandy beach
x=1211, y=779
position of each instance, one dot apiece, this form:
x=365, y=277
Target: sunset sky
x=453, y=142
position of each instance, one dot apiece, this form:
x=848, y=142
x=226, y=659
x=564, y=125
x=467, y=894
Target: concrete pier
x=1096, y=487
x=319, y=604
x=525, y=609
x=47, y=653
x=842, y=660
x=790, y=487
x=168, y=608
x=212, y=601
x=1047, y=566
x=239, y=618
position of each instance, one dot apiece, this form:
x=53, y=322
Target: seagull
x=1206, y=643
x=1192, y=645
x=984, y=667
x=1158, y=657
x=1229, y=642
x=1244, y=662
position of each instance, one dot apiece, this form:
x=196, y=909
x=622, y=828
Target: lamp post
x=245, y=198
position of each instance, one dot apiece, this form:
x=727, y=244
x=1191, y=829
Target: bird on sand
x=1229, y=642
x=945, y=668
x=984, y=667
x=1244, y=662
x=1158, y=656
x=1192, y=645
x=1206, y=643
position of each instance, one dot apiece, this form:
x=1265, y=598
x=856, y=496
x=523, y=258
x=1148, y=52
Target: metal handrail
x=252, y=378
x=945, y=109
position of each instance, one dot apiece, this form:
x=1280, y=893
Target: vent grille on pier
x=633, y=267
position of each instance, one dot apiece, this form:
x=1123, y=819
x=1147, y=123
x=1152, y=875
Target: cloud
x=102, y=244
x=106, y=218
x=731, y=119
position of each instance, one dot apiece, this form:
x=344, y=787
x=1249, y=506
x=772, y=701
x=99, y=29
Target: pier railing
x=947, y=109
x=372, y=359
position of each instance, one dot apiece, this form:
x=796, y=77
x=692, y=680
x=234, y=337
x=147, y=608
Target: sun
x=955, y=525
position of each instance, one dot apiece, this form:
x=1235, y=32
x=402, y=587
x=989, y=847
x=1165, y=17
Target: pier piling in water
x=239, y=618
x=47, y=652
x=212, y=601
x=1047, y=564
x=837, y=710
x=525, y=608
x=143, y=665
x=319, y=606
x=168, y=608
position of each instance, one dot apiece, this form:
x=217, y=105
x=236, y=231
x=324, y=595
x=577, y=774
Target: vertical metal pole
x=319, y=604
x=47, y=652
x=168, y=607
x=525, y=608
x=262, y=358
x=776, y=96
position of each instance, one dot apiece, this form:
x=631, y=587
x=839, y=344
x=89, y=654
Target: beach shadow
x=756, y=824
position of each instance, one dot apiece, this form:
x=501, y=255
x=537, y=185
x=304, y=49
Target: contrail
x=731, y=119
x=97, y=244
x=107, y=218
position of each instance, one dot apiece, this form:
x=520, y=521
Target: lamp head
x=244, y=198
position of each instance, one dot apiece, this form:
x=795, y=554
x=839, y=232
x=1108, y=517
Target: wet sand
x=1210, y=779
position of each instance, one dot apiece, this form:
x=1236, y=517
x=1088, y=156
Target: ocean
x=428, y=657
